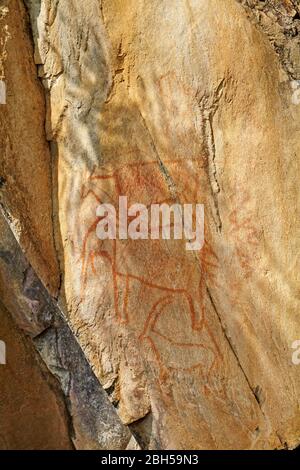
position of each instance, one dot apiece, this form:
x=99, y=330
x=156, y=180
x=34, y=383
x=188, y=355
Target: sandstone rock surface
x=25, y=158
x=77, y=408
x=177, y=102
x=92, y=421
x=32, y=411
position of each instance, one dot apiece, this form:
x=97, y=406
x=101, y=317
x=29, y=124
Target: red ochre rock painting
x=156, y=283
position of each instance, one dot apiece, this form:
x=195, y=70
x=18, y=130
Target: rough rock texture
x=32, y=411
x=280, y=21
x=25, y=172
x=154, y=100
x=93, y=423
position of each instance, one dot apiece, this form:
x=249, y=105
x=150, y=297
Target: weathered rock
x=24, y=157
x=280, y=21
x=21, y=291
x=25, y=172
x=32, y=411
x=94, y=423
x=178, y=102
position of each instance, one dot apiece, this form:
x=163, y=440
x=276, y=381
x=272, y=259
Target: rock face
x=176, y=102
x=77, y=410
x=24, y=151
x=93, y=421
x=32, y=412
